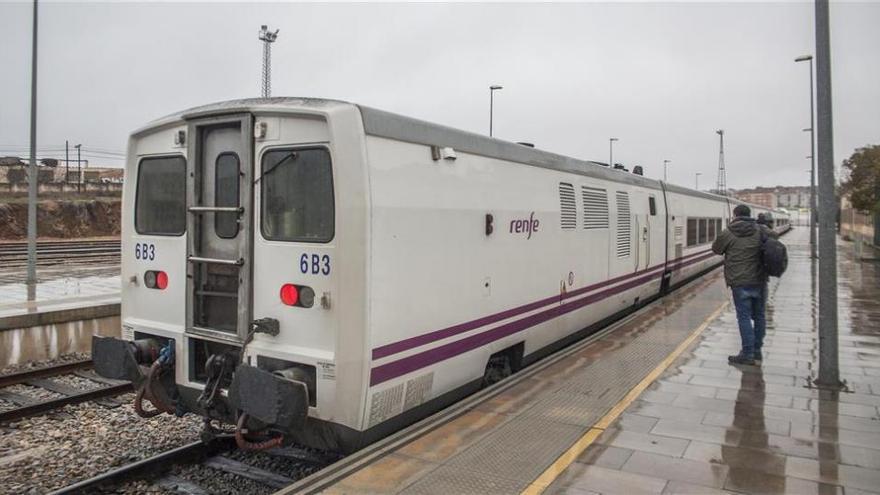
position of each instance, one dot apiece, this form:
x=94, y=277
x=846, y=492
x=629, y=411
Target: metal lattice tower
x=267, y=38
x=721, y=186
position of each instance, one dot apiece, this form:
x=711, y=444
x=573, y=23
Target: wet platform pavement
x=72, y=303
x=654, y=407
x=708, y=427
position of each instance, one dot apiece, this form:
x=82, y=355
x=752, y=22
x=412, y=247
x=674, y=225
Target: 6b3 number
x=144, y=251
x=314, y=264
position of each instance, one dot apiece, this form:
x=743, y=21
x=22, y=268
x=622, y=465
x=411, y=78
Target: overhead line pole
x=829, y=373
x=32, y=174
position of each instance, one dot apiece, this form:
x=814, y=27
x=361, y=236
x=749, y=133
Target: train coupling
x=121, y=359
x=278, y=399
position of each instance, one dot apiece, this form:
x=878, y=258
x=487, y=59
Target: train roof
x=390, y=125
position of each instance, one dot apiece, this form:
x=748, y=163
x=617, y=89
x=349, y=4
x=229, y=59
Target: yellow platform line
x=561, y=464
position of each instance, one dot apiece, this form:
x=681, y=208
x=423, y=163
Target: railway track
x=14, y=254
x=176, y=469
x=59, y=394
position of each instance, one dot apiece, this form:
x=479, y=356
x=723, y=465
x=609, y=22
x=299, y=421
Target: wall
x=111, y=189
x=855, y=224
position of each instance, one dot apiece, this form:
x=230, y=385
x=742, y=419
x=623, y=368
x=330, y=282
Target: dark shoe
x=740, y=359
x=758, y=357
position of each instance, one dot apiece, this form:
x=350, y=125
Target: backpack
x=774, y=255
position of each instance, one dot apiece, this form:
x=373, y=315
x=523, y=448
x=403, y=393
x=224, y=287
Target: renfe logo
x=529, y=225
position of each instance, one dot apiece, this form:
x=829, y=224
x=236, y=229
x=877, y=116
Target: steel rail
x=189, y=452
x=48, y=405
x=58, y=369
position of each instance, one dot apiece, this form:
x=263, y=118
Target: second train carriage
x=373, y=267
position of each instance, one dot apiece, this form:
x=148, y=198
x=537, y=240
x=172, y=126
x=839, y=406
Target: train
x=324, y=273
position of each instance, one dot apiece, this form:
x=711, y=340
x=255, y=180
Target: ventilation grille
x=595, y=208
x=567, y=206
x=679, y=231
x=624, y=226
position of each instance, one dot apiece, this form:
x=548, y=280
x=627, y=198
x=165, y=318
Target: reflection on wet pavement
x=709, y=427
x=59, y=282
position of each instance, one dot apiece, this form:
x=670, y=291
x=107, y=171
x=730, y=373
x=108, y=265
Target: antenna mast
x=721, y=186
x=267, y=38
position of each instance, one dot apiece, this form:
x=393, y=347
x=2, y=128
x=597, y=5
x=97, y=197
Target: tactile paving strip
x=521, y=449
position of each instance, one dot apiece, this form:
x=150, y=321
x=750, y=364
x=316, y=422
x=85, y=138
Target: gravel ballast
x=42, y=453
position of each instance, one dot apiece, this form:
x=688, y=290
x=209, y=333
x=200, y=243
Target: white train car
x=330, y=272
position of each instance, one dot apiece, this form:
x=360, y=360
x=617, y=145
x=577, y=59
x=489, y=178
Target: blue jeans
x=750, y=302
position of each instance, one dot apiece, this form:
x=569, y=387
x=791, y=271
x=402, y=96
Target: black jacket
x=740, y=244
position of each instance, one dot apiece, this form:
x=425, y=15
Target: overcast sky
x=661, y=77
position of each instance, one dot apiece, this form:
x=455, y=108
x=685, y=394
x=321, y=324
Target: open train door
x=219, y=232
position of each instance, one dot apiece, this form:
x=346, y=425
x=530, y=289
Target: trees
x=862, y=179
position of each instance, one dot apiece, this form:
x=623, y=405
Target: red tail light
x=155, y=279
x=289, y=294
x=297, y=295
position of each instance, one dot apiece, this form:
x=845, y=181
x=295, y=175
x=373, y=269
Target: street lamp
x=697, y=186
x=492, y=90
x=809, y=58
x=665, y=163
x=611, y=151
x=78, y=168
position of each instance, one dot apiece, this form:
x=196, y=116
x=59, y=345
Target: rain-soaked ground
x=708, y=427
x=73, y=302
x=59, y=282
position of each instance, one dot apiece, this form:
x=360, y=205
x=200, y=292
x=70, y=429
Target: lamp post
x=809, y=58
x=32, y=172
x=665, y=163
x=611, y=151
x=492, y=89
x=697, y=186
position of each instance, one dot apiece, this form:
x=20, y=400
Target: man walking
x=740, y=243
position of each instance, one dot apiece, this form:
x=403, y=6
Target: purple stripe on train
x=427, y=338
x=426, y=358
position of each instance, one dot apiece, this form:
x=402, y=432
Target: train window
x=624, y=225
x=717, y=227
x=160, y=200
x=567, y=206
x=226, y=190
x=297, y=195
x=703, y=231
x=652, y=205
x=711, y=235
x=692, y=231
x=595, y=208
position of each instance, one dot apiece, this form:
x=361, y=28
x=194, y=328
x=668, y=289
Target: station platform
x=62, y=294
x=651, y=405
x=71, y=304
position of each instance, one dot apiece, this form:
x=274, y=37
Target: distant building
x=764, y=196
x=791, y=197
